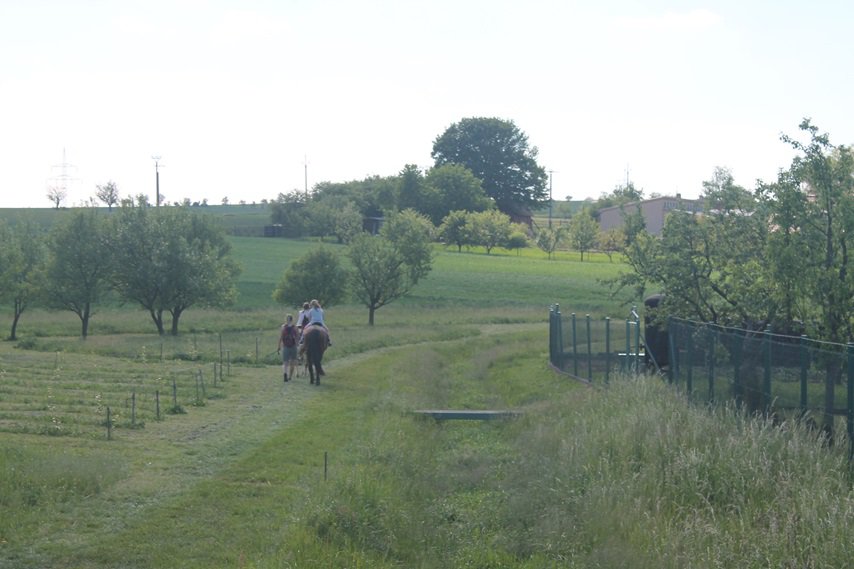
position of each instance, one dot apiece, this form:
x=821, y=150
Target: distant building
x=653, y=210
x=274, y=230
x=372, y=225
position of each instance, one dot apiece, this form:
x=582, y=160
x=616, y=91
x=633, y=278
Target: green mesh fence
x=594, y=349
x=764, y=372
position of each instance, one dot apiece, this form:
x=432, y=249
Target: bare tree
x=56, y=195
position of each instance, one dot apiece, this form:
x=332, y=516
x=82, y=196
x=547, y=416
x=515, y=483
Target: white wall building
x=653, y=210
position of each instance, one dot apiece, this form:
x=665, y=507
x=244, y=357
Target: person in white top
x=315, y=317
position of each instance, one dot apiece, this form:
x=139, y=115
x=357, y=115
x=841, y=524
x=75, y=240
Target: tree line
x=165, y=260
x=480, y=164
x=484, y=176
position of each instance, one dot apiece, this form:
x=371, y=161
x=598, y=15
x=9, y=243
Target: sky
x=243, y=100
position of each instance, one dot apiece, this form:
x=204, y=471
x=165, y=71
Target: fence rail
x=765, y=371
x=592, y=350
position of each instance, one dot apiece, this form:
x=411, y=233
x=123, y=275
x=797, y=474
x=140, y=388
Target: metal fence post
x=589, y=352
x=766, y=379
x=626, y=361
x=689, y=380
x=574, y=347
x=559, y=321
x=674, y=351
x=738, y=346
x=607, y=349
x=671, y=348
x=552, y=335
x=712, y=357
x=850, y=410
x=805, y=359
x=637, y=340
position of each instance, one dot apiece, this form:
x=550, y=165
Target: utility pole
x=157, y=179
x=550, y=198
x=305, y=165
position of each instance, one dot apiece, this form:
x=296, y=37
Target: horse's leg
x=318, y=369
x=323, y=344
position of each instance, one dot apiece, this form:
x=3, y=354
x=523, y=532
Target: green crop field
x=240, y=469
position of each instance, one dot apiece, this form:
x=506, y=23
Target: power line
x=62, y=180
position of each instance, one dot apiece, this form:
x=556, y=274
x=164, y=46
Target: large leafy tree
x=79, y=265
x=766, y=258
x=386, y=267
x=201, y=269
x=814, y=210
x=711, y=268
x=317, y=274
x=415, y=192
x=497, y=152
x=333, y=215
x=22, y=258
x=821, y=197
x=170, y=259
x=140, y=270
x=373, y=197
x=457, y=188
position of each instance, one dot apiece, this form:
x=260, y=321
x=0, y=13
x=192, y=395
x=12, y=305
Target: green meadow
x=239, y=469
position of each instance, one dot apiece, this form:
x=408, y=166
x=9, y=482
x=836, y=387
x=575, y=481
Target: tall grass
x=35, y=482
x=627, y=477
x=645, y=480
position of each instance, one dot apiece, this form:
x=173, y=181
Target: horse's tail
x=316, y=340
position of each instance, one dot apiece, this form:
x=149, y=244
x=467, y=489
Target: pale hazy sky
x=235, y=95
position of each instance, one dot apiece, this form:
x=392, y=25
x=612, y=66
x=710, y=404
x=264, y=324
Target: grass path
x=199, y=487
x=170, y=457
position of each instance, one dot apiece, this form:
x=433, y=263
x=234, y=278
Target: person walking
x=288, y=338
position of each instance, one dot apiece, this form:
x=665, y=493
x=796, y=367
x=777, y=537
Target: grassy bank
x=628, y=477
x=263, y=474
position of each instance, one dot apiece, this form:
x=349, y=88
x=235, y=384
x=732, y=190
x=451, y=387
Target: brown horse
x=315, y=339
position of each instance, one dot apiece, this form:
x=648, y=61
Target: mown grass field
x=257, y=473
